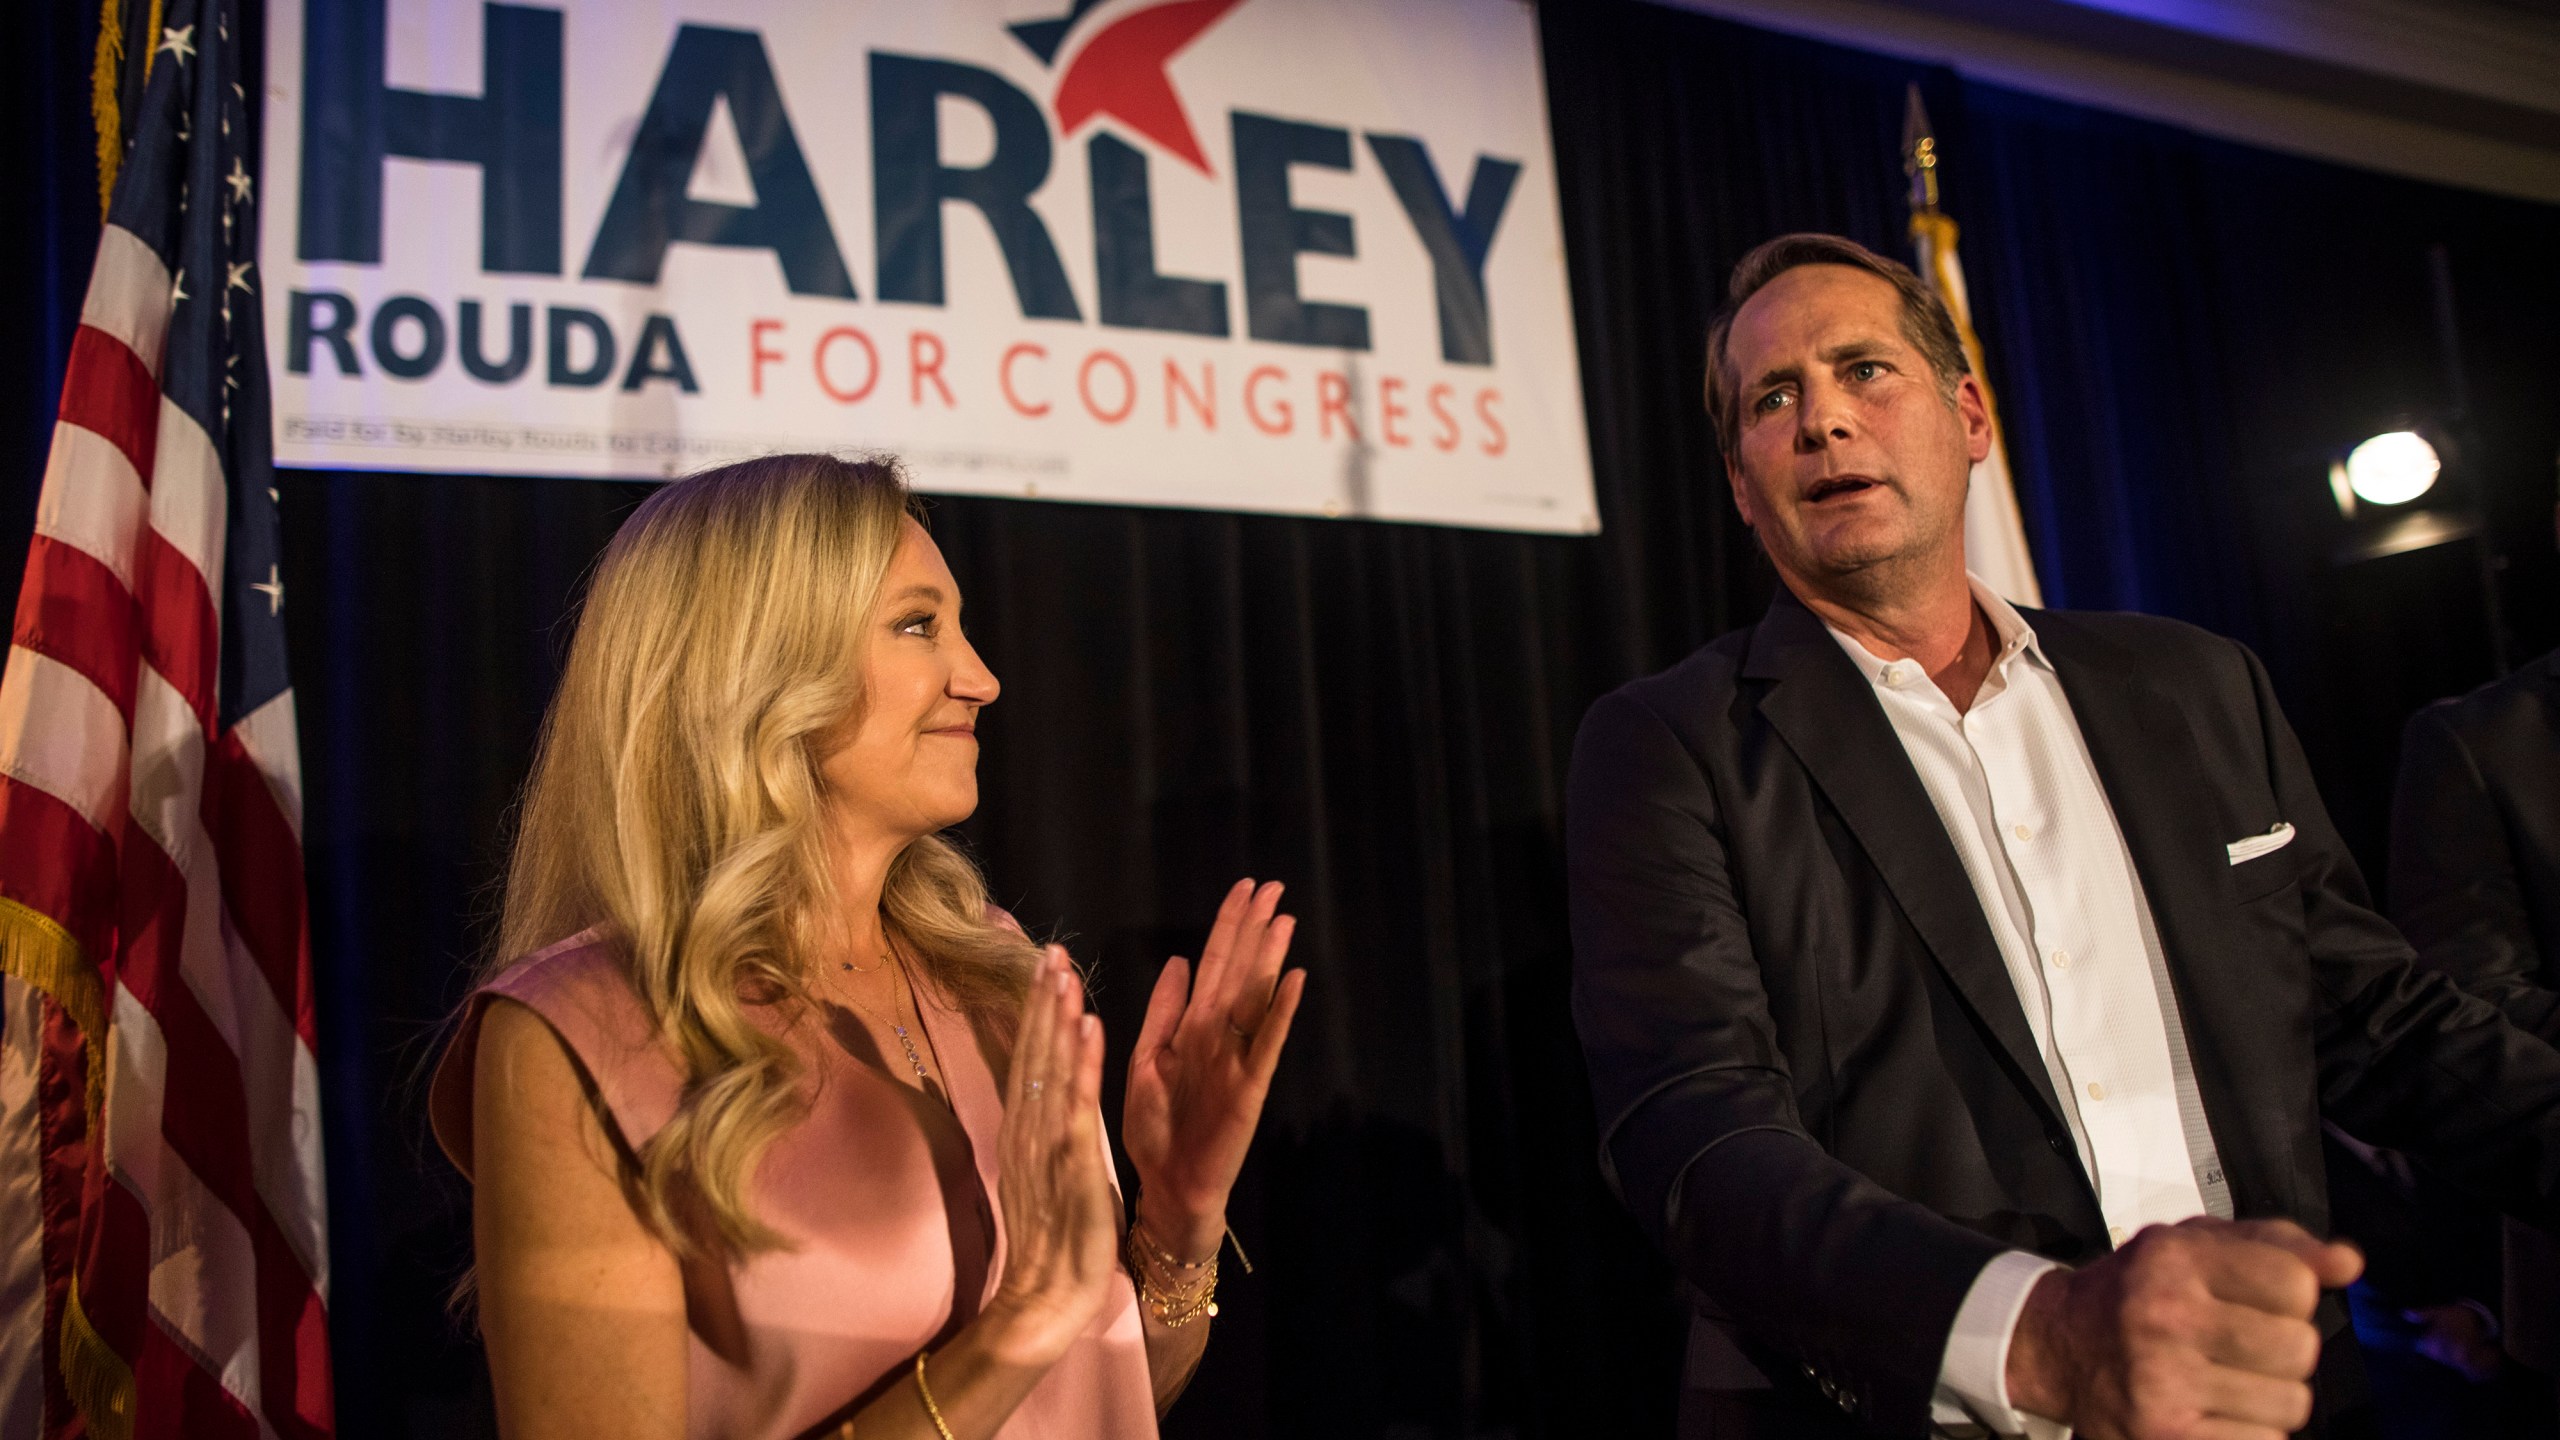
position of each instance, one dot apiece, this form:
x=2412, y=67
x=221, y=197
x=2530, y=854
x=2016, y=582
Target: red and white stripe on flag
x=159, y=1098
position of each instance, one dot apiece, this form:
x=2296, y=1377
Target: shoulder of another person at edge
x=2513, y=697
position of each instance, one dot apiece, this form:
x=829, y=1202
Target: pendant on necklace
x=912, y=1058
x=905, y=1040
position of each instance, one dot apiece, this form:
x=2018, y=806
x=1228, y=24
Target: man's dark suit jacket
x=1815, y=1082
x=2475, y=842
x=2475, y=884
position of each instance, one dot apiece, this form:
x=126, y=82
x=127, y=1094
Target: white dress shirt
x=2012, y=780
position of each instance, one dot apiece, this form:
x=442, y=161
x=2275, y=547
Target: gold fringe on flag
x=1936, y=233
x=106, y=86
x=1995, y=535
x=105, y=73
x=99, y=1380
x=40, y=952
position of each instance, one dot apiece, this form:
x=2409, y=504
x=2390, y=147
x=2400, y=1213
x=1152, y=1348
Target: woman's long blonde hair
x=676, y=805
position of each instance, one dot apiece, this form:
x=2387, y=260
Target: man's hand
x=2200, y=1329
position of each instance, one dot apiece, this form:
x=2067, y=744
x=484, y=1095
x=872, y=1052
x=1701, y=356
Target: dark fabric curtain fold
x=2179, y=331
x=44, y=250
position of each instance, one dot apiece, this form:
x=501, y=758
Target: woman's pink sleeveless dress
x=895, y=1239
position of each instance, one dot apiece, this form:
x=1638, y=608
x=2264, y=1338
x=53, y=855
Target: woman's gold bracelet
x=1139, y=1232
x=1175, y=1300
x=926, y=1391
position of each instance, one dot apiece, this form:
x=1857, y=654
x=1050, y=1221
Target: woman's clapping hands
x=1197, y=1080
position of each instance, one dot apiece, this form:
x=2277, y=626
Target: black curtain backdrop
x=2180, y=332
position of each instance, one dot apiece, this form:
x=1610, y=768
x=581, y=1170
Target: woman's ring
x=1246, y=1036
x=1035, y=1087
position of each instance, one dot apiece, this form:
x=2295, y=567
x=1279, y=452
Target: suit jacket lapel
x=1829, y=716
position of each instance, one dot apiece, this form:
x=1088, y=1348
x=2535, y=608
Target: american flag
x=159, y=1104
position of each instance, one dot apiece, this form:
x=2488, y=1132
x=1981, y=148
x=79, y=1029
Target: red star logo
x=1120, y=73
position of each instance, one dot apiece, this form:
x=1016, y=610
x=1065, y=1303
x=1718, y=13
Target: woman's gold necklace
x=892, y=1019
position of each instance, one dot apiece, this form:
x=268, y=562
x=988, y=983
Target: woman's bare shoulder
x=582, y=1305
x=527, y=1083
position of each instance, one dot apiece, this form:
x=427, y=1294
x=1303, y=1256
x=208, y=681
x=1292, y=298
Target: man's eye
x=1773, y=401
x=1866, y=370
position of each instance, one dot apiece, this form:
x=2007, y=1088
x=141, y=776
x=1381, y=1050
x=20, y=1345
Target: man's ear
x=1974, y=409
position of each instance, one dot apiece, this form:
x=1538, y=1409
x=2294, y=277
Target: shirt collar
x=2009, y=630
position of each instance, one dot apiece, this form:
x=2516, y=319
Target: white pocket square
x=2243, y=851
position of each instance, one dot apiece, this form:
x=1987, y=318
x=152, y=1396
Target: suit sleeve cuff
x=1973, y=1378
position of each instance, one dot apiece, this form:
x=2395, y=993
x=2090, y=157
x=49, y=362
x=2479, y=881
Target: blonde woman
x=777, y=1127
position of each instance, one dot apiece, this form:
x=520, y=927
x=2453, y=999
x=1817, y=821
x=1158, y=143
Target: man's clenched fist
x=2195, y=1331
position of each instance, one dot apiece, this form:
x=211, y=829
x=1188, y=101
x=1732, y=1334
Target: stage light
x=2393, y=468
x=2401, y=490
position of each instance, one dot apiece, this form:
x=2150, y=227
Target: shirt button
x=2061, y=959
x=2024, y=832
x=2097, y=1091
x=2115, y=1234
x=1893, y=674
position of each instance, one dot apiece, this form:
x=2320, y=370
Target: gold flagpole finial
x=1919, y=152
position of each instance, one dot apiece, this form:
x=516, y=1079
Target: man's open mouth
x=1836, y=486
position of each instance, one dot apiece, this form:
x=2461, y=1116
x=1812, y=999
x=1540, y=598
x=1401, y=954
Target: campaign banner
x=1298, y=256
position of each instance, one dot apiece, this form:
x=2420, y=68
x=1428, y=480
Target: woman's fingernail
x=1087, y=1026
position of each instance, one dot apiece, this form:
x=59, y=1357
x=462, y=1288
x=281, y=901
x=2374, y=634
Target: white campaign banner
x=1281, y=255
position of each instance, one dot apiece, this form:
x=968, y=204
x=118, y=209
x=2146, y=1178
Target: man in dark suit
x=1963, y=989
x=2475, y=884
x=2475, y=842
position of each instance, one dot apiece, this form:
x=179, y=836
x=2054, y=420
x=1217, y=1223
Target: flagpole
x=1995, y=537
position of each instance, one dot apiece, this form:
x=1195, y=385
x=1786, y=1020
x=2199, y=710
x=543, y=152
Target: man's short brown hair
x=1925, y=321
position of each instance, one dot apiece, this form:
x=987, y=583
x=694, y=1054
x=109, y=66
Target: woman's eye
x=922, y=625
